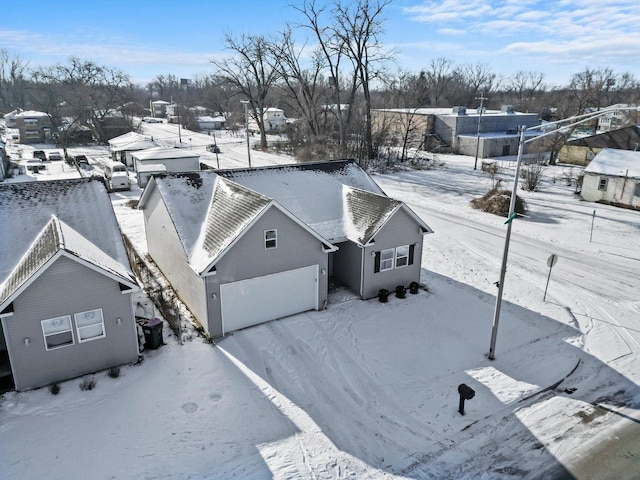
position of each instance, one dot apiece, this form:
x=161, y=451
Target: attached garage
x=258, y=300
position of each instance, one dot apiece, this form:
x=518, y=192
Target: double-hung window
x=89, y=325
x=402, y=256
x=57, y=332
x=270, y=239
x=386, y=259
x=391, y=258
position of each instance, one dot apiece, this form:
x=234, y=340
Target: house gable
x=58, y=239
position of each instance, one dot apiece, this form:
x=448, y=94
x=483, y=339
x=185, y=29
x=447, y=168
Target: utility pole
x=482, y=98
x=246, y=128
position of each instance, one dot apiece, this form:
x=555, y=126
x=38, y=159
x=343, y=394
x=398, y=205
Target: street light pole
x=482, y=99
x=503, y=270
x=246, y=128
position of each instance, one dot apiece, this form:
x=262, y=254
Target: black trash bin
x=401, y=291
x=383, y=295
x=414, y=287
x=152, y=333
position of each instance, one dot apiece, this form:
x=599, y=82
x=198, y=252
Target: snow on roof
x=206, y=118
x=614, y=162
x=160, y=102
x=127, y=138
x=57, y=237
x=312, y=192
x=135, y=146
x=82, y=204
x=31, y=113
x=163, y=153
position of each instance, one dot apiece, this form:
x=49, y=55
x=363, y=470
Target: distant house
x=458, y=130
x=613, y=176
x=159, y=108
x=34, y=127
x=173, y=160
x=580, y=151
x=108, y=124
x=273, y=118
x=65, y=284
x=207, y=123
x=122, y=146
x=242, y=247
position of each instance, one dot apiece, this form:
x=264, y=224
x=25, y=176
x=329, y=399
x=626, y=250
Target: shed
x=613, y=176
x=174, y=159
x=146, y=170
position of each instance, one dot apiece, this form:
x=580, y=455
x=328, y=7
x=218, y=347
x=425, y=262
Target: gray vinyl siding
x=347, y=265
x=400, y=230
x=167, y=251
x=248, y=258
x=66, y=288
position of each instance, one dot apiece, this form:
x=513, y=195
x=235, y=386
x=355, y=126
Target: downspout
x=362, y=249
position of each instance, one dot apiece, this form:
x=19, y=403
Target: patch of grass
x=114, y=372
x=54, y=389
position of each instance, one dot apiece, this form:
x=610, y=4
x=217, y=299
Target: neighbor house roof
x=161, y=153
x=82, y=204
x=55, y=240
x=131, y=141
x=618, y=163
x=626, y=138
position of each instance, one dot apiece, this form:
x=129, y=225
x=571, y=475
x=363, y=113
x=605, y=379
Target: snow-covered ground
x=369, y=390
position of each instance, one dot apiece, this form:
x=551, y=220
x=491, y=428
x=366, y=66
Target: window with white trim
x=89, y=325
x=270, y=239
x=57, y=332
x=402, y=256
x=386, y=259
x=602, y=185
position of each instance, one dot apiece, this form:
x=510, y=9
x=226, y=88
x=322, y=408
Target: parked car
x=81, y=160
x=39, y=154
x=152, y=120
x=213, y=148
x=35, y=165
x=55, y=156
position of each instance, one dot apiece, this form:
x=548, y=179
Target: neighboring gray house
x=613, y=176
x=242, y=247
x=65, y=284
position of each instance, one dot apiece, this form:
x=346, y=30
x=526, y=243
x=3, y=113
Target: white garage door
x=257, y=300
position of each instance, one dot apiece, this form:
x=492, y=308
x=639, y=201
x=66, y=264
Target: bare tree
x=13, y=81
x=252, y=72
x=359, y=26
x=438, y=77
x=474, y=79
x=80, y=93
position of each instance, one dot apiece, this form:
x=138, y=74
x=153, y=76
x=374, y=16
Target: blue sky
x=147, y=38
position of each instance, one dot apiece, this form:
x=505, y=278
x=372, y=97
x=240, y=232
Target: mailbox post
x=466, y=393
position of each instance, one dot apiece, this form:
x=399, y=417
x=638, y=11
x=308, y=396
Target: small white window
x=270, y=239
x=603, y=183
x=402, y=256
x=57, y=332
x=386, y=259
x=89, y=325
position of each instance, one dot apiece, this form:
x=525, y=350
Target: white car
x=35, y=165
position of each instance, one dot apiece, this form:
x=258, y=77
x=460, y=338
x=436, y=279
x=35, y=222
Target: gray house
x=65, y=284
x=242, y=247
